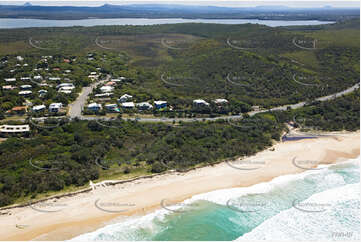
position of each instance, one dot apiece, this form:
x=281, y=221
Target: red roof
x=19, y=108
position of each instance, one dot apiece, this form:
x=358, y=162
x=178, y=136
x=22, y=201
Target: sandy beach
x=65, y=218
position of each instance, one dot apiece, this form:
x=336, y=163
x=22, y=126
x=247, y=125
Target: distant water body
x=322, y=204
x=12, y=23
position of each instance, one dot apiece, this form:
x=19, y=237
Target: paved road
x=76, y=107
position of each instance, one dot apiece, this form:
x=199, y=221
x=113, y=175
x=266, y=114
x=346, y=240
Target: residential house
x=8, y=87
x=220, y=101
x=8, y=129
x=25, y=87
x=54, y=79
x=25, y=93
x=128, y=105
x=10, y=79
x=125, y=98
x=42, y=92
x=160, y=104
x=200, y=102
x=108, y=94
x=144, y=106
x=94, y=107
x=93, y=75
x=44, y=84
x=111, y=83
x=256, y=108
x=66, y=90
x=105, y=89
x=19, y=110
x=25, y=78
x=38, y=78
x=38, y=108
x=55, y=107
x=71, y=85
x=112, y=107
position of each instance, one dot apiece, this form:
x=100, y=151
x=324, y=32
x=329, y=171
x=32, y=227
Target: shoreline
x=80, y=213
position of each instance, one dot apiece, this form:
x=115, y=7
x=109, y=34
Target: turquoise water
x=317, y=204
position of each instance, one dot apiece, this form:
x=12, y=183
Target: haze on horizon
x=220, y=3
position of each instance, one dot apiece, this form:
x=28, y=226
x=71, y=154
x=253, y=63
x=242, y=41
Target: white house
x=128, y=105
x=105, y=89
x=24, y=93
x=44, y=84
x=160, y=104
x=93, y=75
x=94, y=107
x=108, y=94
x=256, y=108
x=113, y=107
x=42, y=92
x=55, y=107
x=220, y=101
x=71, y=85
x=66, y=90
x=25, y=78
x=144, y=106
x=39, y=108
x=19, y=58
x=14, y=128
x=8, y=87
x=54, y=78
x=10, y=79
x=125, y=98
x=38, y=77
x=200, y=102
x=24, y=87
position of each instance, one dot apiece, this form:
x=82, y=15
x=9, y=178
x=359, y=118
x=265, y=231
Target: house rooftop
x=14, y=128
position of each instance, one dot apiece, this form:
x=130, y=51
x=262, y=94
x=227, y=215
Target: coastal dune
x=67, y=217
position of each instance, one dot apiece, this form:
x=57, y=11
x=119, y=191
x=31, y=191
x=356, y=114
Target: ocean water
x=318, y=204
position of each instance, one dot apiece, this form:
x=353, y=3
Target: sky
x=234, y=3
